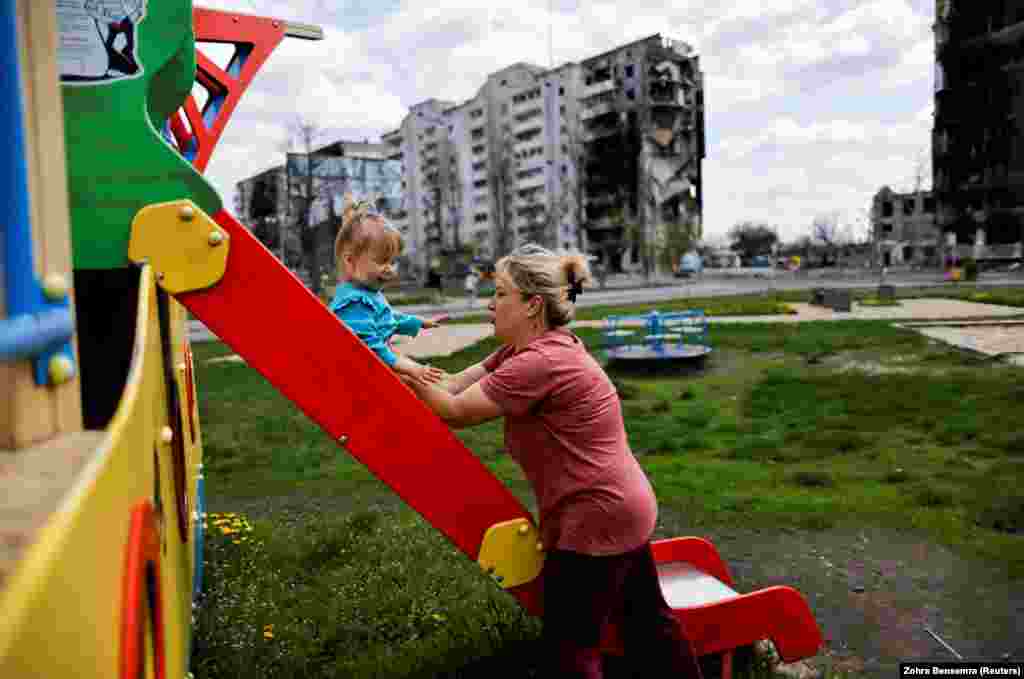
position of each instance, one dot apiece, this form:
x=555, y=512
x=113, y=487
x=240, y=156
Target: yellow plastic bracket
x=511, y=552
x=185, y=247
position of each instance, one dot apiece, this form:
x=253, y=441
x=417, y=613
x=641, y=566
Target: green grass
x=774, y=434
x=776, y=302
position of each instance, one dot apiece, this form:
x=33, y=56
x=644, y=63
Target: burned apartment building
x=978, y=131
x=642, y=128
x=904, y=228
x=600, y=156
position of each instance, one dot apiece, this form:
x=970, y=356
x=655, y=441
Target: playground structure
x=657, y=338
x=102, y=484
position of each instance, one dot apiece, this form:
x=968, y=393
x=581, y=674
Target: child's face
x=371, y=269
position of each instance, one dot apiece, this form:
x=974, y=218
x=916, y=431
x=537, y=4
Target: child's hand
x=435, y=322
x=428, y=374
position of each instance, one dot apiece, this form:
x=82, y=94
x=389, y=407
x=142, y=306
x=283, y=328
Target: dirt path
x=874, y=591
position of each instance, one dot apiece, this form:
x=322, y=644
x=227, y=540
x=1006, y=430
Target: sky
x=811, y=106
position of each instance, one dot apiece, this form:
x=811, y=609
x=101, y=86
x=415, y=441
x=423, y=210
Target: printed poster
x=98, y=40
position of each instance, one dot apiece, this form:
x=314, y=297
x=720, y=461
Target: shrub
x=970, y=267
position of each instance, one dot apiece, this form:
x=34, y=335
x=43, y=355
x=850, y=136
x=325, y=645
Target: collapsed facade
x=977, y=136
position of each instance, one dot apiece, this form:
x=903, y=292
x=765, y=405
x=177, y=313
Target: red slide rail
x=194, y=131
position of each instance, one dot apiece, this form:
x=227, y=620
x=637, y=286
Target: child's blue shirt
x=368, y=314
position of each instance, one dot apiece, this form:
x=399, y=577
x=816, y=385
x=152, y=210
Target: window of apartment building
x=478, y=149
x=476, y=113
x=430, y=131
x=477, y=134
x=479, y=166
x=480, y=217
x=504, y=109
x=629, y=70
x=561, y=110
x=565, y=169
x=561, y=91
x=929, y=204
x=908, y=206
x=886, y=228
x=479, y=184
x=530, y=173
x=887, y=208
x=631, y=94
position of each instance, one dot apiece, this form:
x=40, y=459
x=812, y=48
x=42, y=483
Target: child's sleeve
x=359, y=318
x=408, y=325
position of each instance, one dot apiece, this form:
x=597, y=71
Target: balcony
x=598, y=132
x=527, y=182
x=597, y=110
x=599, y=88
x=526, y=104
x=533, y=123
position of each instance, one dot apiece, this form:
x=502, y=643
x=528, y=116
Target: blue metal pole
x=14, y=172
x=35, y=327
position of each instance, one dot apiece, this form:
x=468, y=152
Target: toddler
x=364, y=251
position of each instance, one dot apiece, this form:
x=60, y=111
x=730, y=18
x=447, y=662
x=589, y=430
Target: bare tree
x=444, y=185
x=826, y=230
x=305, y=132
x=568, y=204
x=501, y=182
x=676, y=237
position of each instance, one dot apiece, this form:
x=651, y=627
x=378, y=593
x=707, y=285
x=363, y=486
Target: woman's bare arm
x=465, y=379
x=465, y=410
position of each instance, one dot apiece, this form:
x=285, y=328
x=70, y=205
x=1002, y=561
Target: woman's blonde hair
x=362, y=228
x=556, y=278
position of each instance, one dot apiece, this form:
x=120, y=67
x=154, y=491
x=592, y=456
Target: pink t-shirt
x=563, y=425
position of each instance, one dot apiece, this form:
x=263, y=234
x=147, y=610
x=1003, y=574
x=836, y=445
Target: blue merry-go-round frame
x=679, y=336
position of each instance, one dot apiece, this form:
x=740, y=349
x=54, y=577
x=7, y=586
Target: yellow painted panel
x=511, y=552
x=185, y=247
x=66, y=593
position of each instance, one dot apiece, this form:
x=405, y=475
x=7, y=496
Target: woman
x=563, y=426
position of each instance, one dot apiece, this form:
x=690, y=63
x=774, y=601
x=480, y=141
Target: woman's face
x=510, y=312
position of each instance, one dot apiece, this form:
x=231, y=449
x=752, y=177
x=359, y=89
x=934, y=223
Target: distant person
x=365, y=251
x=434, y=283
x=564, y=427
x=472, y=283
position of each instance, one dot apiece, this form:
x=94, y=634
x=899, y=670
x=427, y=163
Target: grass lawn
x=777, y=302
x=322, y=572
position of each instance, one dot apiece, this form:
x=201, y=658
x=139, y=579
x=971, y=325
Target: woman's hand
x=428, y=374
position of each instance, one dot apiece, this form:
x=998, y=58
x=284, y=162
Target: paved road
x=709, y=286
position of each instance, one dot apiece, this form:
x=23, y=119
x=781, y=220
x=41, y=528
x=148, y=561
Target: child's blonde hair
x=556, y=278
x=362, y=229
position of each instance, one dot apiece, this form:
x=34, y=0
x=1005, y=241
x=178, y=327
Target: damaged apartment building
x=601, y=156
x=978, y=132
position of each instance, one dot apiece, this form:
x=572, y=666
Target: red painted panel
x=142, y=552
x=262, y=34
x=267, y=315
x=776, y=613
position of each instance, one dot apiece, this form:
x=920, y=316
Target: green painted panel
x=125, y=66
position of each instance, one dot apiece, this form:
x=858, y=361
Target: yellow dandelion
x=268, y=631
